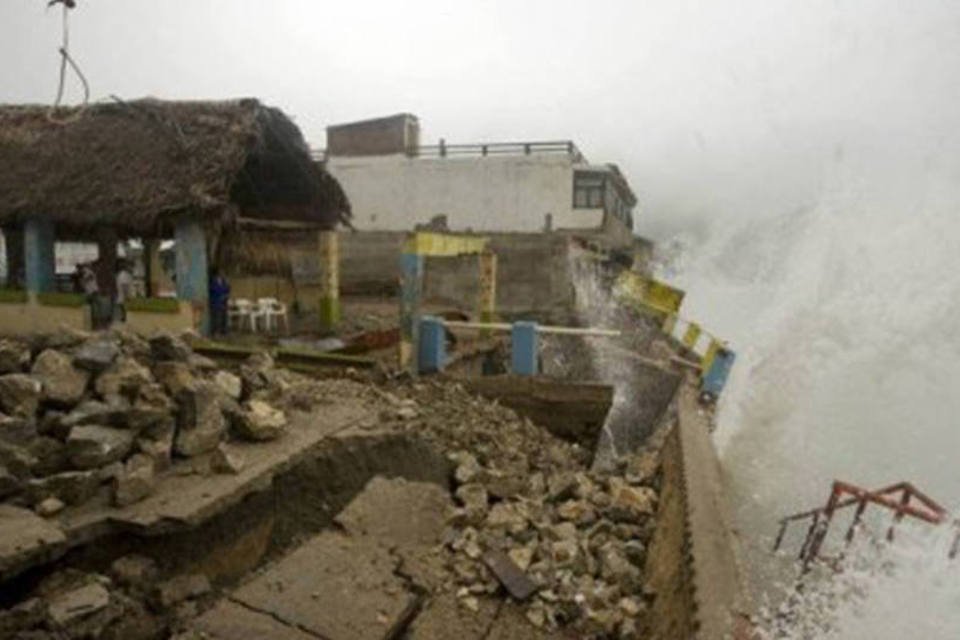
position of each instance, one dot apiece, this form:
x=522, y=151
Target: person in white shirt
x=124, y=291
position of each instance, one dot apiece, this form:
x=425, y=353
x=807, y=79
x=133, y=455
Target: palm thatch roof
x=139, y=165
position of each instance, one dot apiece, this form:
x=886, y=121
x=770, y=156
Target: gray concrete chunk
x=335, y=587
x=90, y=446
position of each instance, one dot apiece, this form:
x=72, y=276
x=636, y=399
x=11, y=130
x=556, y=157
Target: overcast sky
x=713, y=109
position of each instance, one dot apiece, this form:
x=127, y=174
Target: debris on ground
x=524, y=520
x=89, y=413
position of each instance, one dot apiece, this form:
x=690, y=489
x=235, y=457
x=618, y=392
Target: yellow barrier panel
x=707, y=361
x=425, y=243
x=691, y=335
x=663, y=296
x=649, y=292
x=670, y=324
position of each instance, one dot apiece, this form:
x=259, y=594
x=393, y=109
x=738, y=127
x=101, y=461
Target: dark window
x=588, y=189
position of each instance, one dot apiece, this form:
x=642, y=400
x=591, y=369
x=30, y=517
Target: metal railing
x=444, y=150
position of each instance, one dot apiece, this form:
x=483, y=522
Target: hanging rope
x=67, y=59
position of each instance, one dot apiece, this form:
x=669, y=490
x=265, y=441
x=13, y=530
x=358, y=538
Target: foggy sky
x=713, y=109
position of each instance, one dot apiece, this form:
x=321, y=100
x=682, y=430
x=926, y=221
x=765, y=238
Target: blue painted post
x=411, y=283
x=525, y=348
x=716, y=378
x=38, y=255
x=433, y=345
x=192, y=278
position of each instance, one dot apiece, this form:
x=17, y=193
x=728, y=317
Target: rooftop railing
x=444, y=150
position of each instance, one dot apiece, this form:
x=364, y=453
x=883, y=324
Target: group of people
x=106, y=306
x=109, y=306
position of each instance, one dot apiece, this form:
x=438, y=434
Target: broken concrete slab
x=67, y=608
x=71, y=487
x=232, y=621
x=20, y=394
x=336, y=587
x=223, y=460
x=183, y=501
x=134, y=571
x=229, y=383
x=180, y=588
x=91, y=446
x=95, y=412
x=14, y=357
x=444, y=616
x=136, y=481
x=167, y=347
x=26, y=538
x=398, y=512
x=63, y=383
x=123, y=378
x=96, y=355
x=201, y=421
x=259, y=421
x=176, y=377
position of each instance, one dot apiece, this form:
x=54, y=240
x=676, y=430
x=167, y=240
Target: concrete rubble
x=84, y=414
x=580, y=536
x=523, y=512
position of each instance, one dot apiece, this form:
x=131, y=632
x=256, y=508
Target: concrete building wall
x=393, y=134
x=532, y=272
x=482, y=194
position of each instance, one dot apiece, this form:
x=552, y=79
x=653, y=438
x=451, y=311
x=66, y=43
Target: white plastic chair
x=273, y=311
x=260, y=312
x=240, y=310
x=278, y=312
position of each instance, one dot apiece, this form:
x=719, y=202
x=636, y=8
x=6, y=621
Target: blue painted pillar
x=433, y=345
x=411, y=283
x=192, y=279
x=38, y=255
x=524, y=348
x=715, y=379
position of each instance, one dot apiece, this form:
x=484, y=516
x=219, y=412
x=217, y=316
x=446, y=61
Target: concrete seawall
x=694, y=564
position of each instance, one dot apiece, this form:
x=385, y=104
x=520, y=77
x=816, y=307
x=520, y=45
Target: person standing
x=88, y=284
x=124, y=291
x=219, y=299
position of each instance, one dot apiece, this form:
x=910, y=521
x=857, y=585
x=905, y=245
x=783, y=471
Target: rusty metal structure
x=902, y=499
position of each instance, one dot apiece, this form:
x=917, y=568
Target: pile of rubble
x=82, y=411
x=130, y=603
x=576, y=541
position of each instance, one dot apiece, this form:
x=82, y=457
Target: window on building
x=588, y=189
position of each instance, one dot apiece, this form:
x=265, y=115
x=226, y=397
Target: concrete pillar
x=192, y=278
x=330, y=280
x=524, y=348
x=488, y=286
x=152, y=267
x=38, y=255
x=411, y=285
x=432, y=352
x=715, y=378
x=13, y=243
x=107, y=240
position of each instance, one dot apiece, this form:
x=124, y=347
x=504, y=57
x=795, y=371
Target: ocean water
x=844, y=316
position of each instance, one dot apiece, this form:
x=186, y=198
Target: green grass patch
x=13, y=296
x=153, y=305
x=58, y=299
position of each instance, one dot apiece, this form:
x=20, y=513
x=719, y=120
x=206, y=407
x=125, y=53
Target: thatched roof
x=138, y=165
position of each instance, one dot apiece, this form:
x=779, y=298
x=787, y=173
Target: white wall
x=508, y=193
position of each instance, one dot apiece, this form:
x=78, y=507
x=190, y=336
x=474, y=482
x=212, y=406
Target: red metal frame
x=896, y=498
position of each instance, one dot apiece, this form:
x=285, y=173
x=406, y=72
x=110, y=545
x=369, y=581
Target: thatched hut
x=214, y=174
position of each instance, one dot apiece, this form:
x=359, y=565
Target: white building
x=394, y=184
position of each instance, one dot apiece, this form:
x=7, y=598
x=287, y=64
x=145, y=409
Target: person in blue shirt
x=219, y=298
